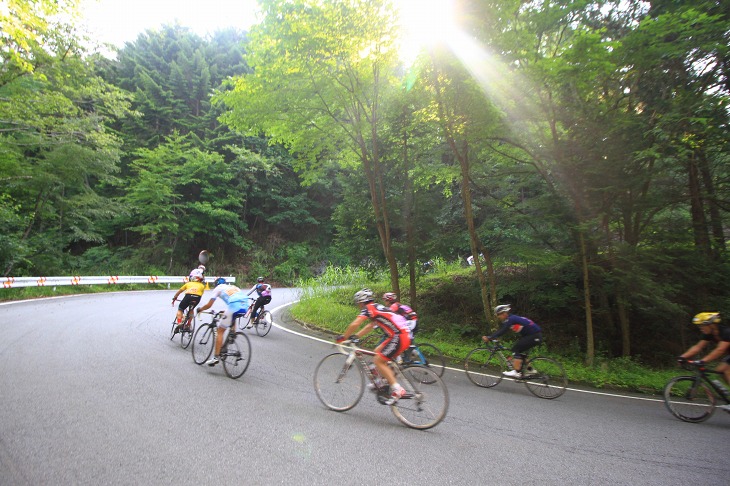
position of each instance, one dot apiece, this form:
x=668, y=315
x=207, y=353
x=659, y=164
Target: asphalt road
x=94, y=392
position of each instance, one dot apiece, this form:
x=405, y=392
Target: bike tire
x=548, y=380
x=689, y=399
x=425, y=403
x=263, y=325
x=339, y=382
x=484, y=367
x=203, y=343
x=237, y=356
x=172, y=330
x=428, y=355
x=186, y=336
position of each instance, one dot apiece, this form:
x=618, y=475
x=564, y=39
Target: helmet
x=502, y=308
x=364, y=295
x=201, y=268
x=219, y=281
x=260, y=279
x=704, y=318
x=390, y=297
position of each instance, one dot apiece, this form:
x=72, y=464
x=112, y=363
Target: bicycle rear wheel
x=203, y=343
x=428, y=355
x=186, y=333
x=545, y=378
x=426, y=401
x=689, y=399
x=263, y=325
x=339, y=381
x=484, y=367
x=237, y=355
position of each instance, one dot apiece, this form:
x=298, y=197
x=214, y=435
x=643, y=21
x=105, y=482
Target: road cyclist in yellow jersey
x=193, y=290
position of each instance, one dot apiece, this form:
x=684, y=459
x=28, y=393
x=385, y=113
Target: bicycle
x=692, y=398
x=261, y=323
x=186, y=330
x=339, y=382
x=424, y=354
x=543, y=377
x=235, y=352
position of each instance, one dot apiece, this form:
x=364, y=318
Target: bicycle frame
x=703, y=374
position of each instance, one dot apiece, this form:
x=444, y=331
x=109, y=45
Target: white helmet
x=364, y=295
x=502, y=308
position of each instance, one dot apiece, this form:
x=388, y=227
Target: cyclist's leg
x=184, y=303
x=724, y=368
x=388, y=350
x=521, y=346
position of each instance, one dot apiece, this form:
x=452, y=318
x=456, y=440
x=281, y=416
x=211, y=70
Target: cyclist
x=193, y=293
x=411, y=317
x=530, y=336
x=393, y=326
x=264, y=295
x=237, y=302
x=199, y=271
x=712, y=331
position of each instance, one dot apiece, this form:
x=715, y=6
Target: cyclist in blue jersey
x=530, y=336
x=237, y=302
x=397, y=338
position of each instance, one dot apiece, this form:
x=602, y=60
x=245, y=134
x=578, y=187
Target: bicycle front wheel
x=186, y=333
x=172, y=330
x=203, y=343
x=689, y=399
x=545, y=378
x=426, y=401
x=263, y=326
x=428, y=355
x=339, y=381
x=484, y=367
x=237, y=355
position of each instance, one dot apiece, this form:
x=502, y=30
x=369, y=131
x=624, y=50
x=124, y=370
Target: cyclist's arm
x=207, y=306
x=691, y=352
x=359, y=320
x=505, y=327
x=366, y=329
x=720, y=350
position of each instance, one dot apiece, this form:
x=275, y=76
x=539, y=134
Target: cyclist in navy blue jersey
x=530, y=336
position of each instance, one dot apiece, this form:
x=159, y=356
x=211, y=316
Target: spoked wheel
x=203, y=343
x=545, y=378
x=263, y=326
x=428, y=355
x=689, y=399
x=339, y=382
x=426, y=401
x=484, y=367
x=186, y=333
x=172, y=330
x=236, y=355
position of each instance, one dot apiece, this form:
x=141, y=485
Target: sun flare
x=424, y=23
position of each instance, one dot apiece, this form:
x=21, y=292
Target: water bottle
x=722, y=388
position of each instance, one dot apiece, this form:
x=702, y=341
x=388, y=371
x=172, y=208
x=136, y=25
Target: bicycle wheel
x=425, y=403
x=263, y=325
x=545, y=378
x=203, y=343
x=237, y=355
x=172, y=330
x=186, y=333
x=339, y=381
x=428, y=355
x=484, y=367
x=689, y=399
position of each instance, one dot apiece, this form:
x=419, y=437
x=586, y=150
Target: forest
x=580, y=147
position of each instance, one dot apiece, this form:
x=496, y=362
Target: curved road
x=94, y=392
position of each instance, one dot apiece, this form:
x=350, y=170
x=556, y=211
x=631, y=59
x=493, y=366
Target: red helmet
x=390, y=297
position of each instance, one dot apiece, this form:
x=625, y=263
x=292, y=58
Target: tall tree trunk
x=718, y=235
x=699, y=222
x=408, y=215
x=590, y=344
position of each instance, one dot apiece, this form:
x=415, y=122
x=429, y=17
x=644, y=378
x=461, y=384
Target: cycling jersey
x=723, y=335
x=193, y=288
x=230, y=294
x=521, y=325
x=389, y=322
x=404, y=310
x=263, y=289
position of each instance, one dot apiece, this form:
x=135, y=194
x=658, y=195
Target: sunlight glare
x=424, y=23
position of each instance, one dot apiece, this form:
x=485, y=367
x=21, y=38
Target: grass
x=331, y=309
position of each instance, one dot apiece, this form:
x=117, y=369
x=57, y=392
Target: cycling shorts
x=235, y=307
x=391, y=348
x=526, y=342
x=189, y=300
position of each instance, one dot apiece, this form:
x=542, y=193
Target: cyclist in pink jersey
x=397, y=337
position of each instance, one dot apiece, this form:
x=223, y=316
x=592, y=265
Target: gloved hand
x=681, y=360
x=698, y=362
x=354, y=339
x=339, y=338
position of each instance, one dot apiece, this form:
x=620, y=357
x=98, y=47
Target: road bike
x=424, y=354
x=543, y=377
x=261, y=323
x=186, y=329
x=339, y=381
x=235, y=352
x=692, y=398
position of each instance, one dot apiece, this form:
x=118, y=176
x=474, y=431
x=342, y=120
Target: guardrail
x=14, y=282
